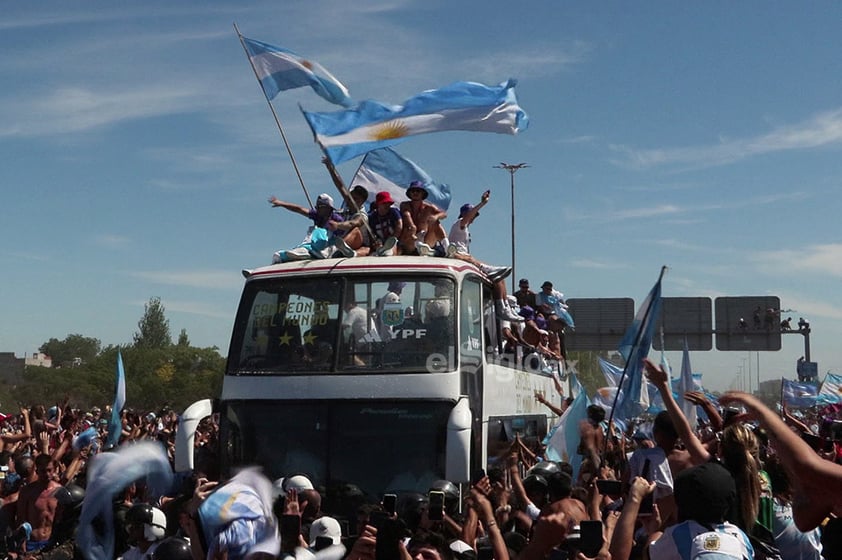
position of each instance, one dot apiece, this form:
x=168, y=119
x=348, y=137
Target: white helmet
x=153, y=520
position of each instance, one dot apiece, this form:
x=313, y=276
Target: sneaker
x=388, y=246
x=452, y=249
x=297, y=254
x=343, y=248
x=496, y=273
x=423, y=249
x=314, y=254
x=505, y=313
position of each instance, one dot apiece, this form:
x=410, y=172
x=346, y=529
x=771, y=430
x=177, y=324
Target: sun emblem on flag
x=306, y=64
x=390, y=130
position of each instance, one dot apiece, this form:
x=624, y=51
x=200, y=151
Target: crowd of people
x=747, y=483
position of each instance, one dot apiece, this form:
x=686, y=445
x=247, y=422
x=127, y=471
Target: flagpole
x=637, y=338
x=275, y=115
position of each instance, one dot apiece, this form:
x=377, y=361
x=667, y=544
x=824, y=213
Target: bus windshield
x=326, y=440
x=349, y=324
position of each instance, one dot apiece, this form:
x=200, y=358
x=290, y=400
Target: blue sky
x=137, y=152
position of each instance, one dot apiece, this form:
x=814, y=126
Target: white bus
x=379, y=372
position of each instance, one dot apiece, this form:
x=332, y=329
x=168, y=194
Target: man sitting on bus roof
x=317, y=240
x=459, y=247
x=422, y=222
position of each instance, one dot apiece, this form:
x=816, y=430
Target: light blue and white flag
x=686, y=385
x=280, y=69
x=799, y=394
x=239, y=515
x=115, y=423
x=634, y=347
x=108, y=475
x=611, y=372
x=470, y=106
x=831, y=391
x=84, y=439
x=387, y=170
x=564, y=440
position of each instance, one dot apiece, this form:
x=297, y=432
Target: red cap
x=383, y=197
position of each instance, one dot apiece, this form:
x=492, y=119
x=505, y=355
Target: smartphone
x=390, y=502
x=559, y=554
x=609, y=487
x=479, y=475
x=485, y=553
x=436, y=509
x=290, y=526
x=648, y=504
x=377, y=518
x=388, y=537
x=590, y=540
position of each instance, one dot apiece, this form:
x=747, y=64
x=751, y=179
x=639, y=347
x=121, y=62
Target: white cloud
x=112, y=241
x=823, y=259
x=594, y=264
x=213, y=279
x=820, y=130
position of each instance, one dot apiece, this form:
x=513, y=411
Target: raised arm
x=659, y=378
x=817, y=483
x=275, y=202
x=543, y=400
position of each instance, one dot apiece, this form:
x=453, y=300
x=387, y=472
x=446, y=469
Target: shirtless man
x=36, y=504
x=422, y=222
x=590, y=434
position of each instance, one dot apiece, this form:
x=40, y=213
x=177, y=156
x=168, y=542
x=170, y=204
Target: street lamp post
x=512, y=168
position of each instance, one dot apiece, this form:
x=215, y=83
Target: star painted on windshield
x=309, y=338
x=285, y=339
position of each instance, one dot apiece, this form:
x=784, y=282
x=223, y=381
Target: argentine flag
x=280, y=69
x=344, y=135
x=387, y=170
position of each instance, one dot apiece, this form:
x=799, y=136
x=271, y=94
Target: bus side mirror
x=458, y=463
x=187, y=424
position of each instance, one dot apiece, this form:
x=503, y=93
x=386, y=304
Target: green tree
x=154, y=327
x=183, y=340
x=75, y=349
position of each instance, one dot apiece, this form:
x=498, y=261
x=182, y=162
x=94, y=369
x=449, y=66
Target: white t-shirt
x=659, y=469
x=793, y=544
x=460, y=237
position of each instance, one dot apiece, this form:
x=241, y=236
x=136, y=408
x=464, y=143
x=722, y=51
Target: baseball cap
x=705, y=493
x=297, y=482
x=465, y=209
x=383, y=197
x=324, y=199
x=523, y=282
x=325, y=527
x=547, y=283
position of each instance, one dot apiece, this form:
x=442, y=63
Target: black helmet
x=70, y=496
x=545, y=468
x=536, y=482
x=153, y=521
x=449, y=489
x=173, y=548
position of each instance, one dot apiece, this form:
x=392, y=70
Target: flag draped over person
x=115, y=423
x=686, y=385
x=386, y=170
x=279, y=69
x=242, y=508
x=469, y=106
x=634, y=347
x=108, y=475
x=798, y=394
x=564, y=439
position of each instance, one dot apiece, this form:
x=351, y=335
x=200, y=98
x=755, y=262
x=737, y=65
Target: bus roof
x=364, y=265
